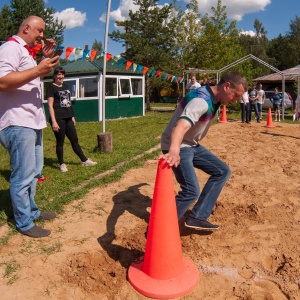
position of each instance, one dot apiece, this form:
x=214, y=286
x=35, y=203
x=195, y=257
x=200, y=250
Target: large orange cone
x=163, y=273
x=269, y=119
x=223, y=118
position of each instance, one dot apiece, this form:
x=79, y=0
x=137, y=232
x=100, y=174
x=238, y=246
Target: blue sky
x=85, y=19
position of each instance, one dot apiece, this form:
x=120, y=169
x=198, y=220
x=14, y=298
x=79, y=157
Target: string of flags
x=86, y=53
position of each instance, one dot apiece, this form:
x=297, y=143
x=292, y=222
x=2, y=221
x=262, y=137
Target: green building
x=124, y=90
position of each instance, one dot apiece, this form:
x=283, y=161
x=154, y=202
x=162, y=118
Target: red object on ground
x=163, y=272
x=223, y=118
x=43, y=178
x=269, y=119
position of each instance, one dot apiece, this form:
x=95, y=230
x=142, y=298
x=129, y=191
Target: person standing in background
x=276, y=100
x=62, y=119
x=260, y=100
x=22, y=119
x=244, y=102
x=193, y=84
x=253, y=96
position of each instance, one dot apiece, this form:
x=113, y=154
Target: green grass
x=130, y=138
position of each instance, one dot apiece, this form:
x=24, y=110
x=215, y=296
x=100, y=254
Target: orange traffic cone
x=269, y=120
x=163, y=272
x=223, y=115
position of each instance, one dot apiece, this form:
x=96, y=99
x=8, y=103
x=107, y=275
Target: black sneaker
x=200, y=224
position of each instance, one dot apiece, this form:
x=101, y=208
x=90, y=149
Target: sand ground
x=254, y=255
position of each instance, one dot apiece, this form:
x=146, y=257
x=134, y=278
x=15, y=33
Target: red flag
x=93, y=54
x=157, y=74
x=169, y=76
x=128, y=64
x=69, y=50
x=108, y=56
x=145, y=70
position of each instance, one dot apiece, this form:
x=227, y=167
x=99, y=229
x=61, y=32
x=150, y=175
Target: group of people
x=253, y=99
x=22, y=119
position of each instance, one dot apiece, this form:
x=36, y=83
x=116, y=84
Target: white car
x=268, y=103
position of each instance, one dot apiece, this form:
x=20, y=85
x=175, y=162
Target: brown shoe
x=36, y=232
x=47, y=215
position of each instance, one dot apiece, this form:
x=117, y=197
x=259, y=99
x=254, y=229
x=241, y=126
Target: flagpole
x=104, y=66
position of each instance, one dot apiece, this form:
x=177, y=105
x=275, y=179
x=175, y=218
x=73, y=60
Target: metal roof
x=85, y=66
x=291, y=74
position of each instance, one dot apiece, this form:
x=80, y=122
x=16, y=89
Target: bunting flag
x=157, y=74
x=121, y=61
x=150, y=72
x=134, y=66
x=145, y=70
x=108, y=56
x=85, y=53
x=77, y=52
x=93, y=54
x=153, y=73
x=139, y=69
x=128, y=64
x=69, y=50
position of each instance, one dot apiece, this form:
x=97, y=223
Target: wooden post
x=105, y=142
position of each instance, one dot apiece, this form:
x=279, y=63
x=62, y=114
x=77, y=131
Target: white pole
x=104, y=66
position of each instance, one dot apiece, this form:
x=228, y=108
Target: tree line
x=170, y=39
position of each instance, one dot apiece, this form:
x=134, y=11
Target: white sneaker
x=63, y=168
x=88, y=163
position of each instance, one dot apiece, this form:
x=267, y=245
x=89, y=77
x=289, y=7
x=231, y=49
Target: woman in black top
x=62, y=119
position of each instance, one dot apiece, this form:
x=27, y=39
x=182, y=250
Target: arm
x=14, y=80
x=172, y=157
x=55, y=126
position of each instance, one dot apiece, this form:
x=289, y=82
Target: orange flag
x=169, y=76
x=93, y=54
x=128, y=64
x=108, y=56
x=69, y=50
x=157, y=74
x=145, y=70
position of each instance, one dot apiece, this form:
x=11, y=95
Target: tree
x=218, y=44
x=148, y=38
x=97, y=45
x=12, y=17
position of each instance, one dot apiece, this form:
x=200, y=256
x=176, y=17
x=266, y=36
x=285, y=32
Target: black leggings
x=67, y=128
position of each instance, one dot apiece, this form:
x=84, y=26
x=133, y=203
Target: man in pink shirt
x=22, y=119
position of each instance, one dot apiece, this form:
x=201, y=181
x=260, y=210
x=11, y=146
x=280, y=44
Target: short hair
x=235, y=78
x=58, y=70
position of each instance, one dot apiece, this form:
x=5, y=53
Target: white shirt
x=192, y=86
x=260, y=96
x=22, y=106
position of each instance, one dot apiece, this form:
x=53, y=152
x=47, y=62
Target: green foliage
x=12, y=17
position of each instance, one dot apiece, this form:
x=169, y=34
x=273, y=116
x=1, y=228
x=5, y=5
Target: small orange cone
x=269, y=120
x=163, y=273
x=223, y=115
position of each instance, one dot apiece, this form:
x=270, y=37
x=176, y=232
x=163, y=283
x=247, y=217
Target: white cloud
x=235, y=9
x=122, y=12
x=71, y=18
x=248, y=32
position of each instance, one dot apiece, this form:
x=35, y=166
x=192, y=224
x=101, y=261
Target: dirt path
x=255, y=254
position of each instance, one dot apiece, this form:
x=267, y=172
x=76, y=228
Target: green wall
x=87, y=110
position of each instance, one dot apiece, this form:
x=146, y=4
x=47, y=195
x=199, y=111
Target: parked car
x=268, y=103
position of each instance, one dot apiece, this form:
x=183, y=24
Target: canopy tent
x=278, y=73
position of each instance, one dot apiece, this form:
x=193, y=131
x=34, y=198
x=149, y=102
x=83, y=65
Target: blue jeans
x=25, y=147
x=199, y=157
